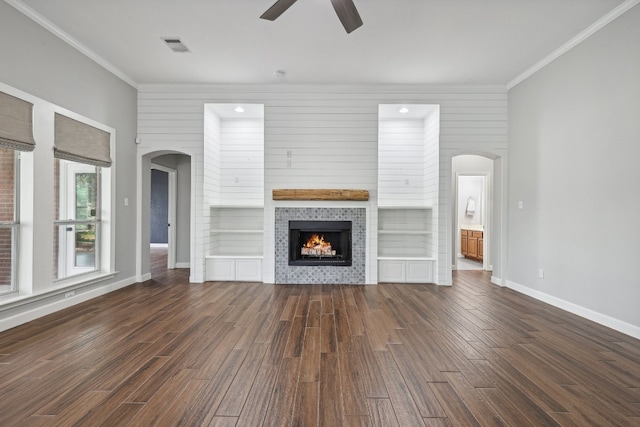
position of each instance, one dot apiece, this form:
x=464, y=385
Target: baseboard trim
x=183, y=265
x=594, y=316
x=43, y=307
x=143, y=278
x=497, y=281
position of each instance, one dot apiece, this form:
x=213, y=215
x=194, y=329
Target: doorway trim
x=498, y=217
x=487, y=204
x=143, y=166
x=171, y=210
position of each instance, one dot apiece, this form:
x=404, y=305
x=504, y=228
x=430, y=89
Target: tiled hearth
x=292, y=274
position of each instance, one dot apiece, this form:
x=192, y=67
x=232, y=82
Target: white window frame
x=105, y=247
x=14, y=226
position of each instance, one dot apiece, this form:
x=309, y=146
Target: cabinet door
x=249, y=270
x=391, y=271
x=480, y=248
x=220, y=269
x=473, y=247
x=419, y=271
x=464, y=244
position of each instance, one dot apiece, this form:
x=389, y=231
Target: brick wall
x=7, y=210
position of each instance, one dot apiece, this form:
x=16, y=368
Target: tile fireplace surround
x=292, y=274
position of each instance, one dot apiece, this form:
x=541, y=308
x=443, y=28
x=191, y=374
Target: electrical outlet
x=69, y=294
x=541, y=273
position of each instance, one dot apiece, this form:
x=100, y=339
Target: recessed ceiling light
x=403, y=110
x=239, y=110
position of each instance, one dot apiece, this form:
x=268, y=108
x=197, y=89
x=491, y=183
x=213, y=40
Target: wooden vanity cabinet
x=471, y=243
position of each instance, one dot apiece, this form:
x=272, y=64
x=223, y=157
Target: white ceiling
x=401, y=41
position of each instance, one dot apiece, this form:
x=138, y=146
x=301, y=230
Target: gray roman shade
x=16, y=123
x=79, y=142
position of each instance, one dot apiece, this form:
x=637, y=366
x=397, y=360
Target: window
x=77, y=228
x=82, y=242
x=9, y=221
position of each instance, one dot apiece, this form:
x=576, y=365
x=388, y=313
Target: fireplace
x=320, y=243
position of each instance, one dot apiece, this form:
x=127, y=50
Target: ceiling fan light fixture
x=345, y=9
x=239, y=109
x=403, y=110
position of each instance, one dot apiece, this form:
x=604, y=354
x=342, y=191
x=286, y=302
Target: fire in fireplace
x=320, y=243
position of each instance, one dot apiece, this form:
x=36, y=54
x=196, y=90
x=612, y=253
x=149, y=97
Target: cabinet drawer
x=476, y=234
x=463, y=232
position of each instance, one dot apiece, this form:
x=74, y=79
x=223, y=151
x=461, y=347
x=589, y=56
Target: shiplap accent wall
x=242, y=162
x=401, y=178
x=320, y=136
x=212, y=144
x=431, y=173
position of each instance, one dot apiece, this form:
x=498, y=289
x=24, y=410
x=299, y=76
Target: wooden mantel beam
x=321, y=194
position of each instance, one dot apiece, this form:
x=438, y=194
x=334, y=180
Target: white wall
x=42, y=65
x=574, y=148
x=331, y=131
x=470, y=188
x=242, y=162
x=401, y=167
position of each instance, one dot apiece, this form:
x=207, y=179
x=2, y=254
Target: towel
x=471, y=207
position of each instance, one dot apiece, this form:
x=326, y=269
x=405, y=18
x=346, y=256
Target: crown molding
x=591, y=30
x=57, y=31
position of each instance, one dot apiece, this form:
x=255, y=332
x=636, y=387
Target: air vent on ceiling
x=175, y=44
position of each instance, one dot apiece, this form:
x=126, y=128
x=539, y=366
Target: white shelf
x=236, y=238
x=412, y=232
x=239, y=231
x=405, y=243
x=256, y=256
x=236, y=206
x=404, y=207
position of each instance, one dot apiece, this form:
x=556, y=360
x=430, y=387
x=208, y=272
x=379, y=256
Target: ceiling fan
x=345, y=9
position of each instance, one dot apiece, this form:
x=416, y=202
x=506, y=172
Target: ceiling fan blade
x=277, y=9
x=348, y=14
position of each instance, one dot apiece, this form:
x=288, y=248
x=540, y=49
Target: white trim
x=172, y=211
x=61, y=302
x=487, y=206
x=58, y=32
x=143, y=151
x=497, y=281
x=602, y=319
x=143, y=278
x=182, y=265
x=582, y=36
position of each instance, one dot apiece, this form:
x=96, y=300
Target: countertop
x=472, y=227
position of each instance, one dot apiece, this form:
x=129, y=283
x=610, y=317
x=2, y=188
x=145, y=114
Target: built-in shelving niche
x=408, y=170
x=234, y=188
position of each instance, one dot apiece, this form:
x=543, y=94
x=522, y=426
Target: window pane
x=8, y=232
x=6, y=259
x=85, y=251
x=7, y=185
x=76, y=199
x=85, y=195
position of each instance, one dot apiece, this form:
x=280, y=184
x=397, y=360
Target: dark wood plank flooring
x=170, y=353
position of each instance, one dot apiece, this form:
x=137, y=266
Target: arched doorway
x=481, y=210
x=180, y=226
